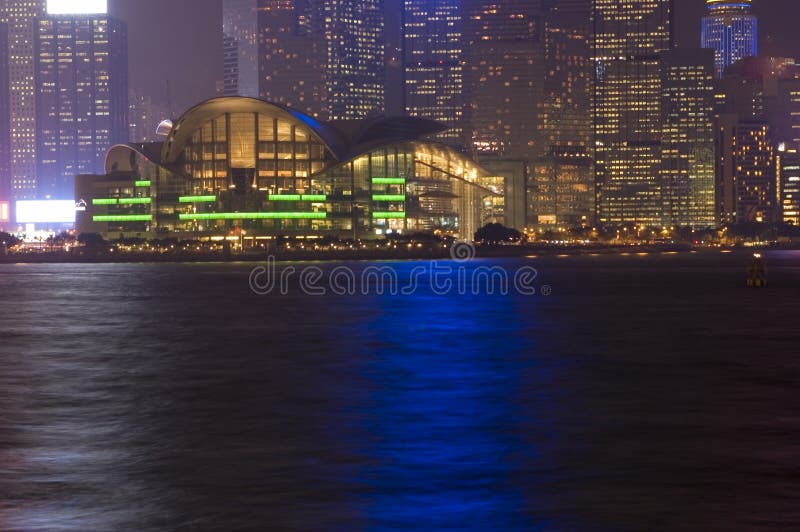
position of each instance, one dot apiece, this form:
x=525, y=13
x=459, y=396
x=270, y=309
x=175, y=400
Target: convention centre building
x=243, y=166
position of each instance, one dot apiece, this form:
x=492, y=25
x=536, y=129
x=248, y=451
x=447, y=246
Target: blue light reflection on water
x=445, y=417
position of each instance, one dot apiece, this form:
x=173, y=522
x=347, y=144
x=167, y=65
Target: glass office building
x=81, y=96
x=433, y=57
x=731, y=31
x=687, y=144
x=241, y=164
x=20, y=17
x=629, y=38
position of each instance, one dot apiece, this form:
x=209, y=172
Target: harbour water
x=638, y=392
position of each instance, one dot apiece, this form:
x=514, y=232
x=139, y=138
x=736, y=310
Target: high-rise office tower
x=323, y=57
x=754, y=175
x=759, y=111
x=566, y=116
x=292, y=54
x=503, y=78
x=81, y=63
x=21, y=16
x=730, y=30
x=629, y=38
x=355, y=71
x=561, y=187
x=432, y=31
x=5, y=119
x=788, y=164
x=687, y=145
x=240, y=47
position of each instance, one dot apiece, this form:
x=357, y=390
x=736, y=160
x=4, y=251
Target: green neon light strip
x=254, y=216
x=388, y=197
x=135, y=201
x=298, y=197
x=123, y=218
x=142, y=183
x=389, y=215
x=314, y=197
x=389, y=180
x=196, y=199
x=284, y=197
x=104, y=201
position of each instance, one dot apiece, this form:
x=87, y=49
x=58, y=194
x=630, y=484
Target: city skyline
x=587, y=113
x=189, y=54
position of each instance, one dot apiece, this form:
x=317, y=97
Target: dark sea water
x=644, y=393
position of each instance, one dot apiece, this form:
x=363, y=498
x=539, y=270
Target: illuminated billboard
x=77, y=7
x=45, y=212
x=5, y=211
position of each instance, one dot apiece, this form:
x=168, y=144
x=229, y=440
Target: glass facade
x=433, y=69
x=688, y=163
x=5, y=119
x=629, y=37
x=789, y=172
x=292, y=54
x=248, y=166
x=731, y=31
x=355, y=73
x=240, y=47
x=20, y=17
x=81, y=97
x=503, y=77
x=755, y=182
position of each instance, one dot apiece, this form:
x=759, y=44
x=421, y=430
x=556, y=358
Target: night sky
x=180, y=40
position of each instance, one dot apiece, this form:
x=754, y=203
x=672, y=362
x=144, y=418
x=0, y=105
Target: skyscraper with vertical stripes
x=731, y=31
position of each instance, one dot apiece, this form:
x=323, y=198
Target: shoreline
x=482, y=252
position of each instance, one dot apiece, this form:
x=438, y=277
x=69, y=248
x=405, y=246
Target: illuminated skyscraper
x=323, y=57
x=504, y=77
x=789, y=177
x=629, y=38
x=432, y=60
x=754, y=174
x=566, y=117
x=355, y=71
x=561, y=186
x=687, y=106
x=730, y=30
x=81, y=96
x=20, y=16
x=240, y=47
x=5, y=119
x=292, y=55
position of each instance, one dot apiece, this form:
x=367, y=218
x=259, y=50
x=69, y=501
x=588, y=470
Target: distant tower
x=432, y=61
x=503, y=77
x=5, y=119
x=291, y=54
x=355, y=72
x=81, y=63
x=20, y=16
x=731, y=31
x=322, y=57
x=629, y=38
x=240, y=47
